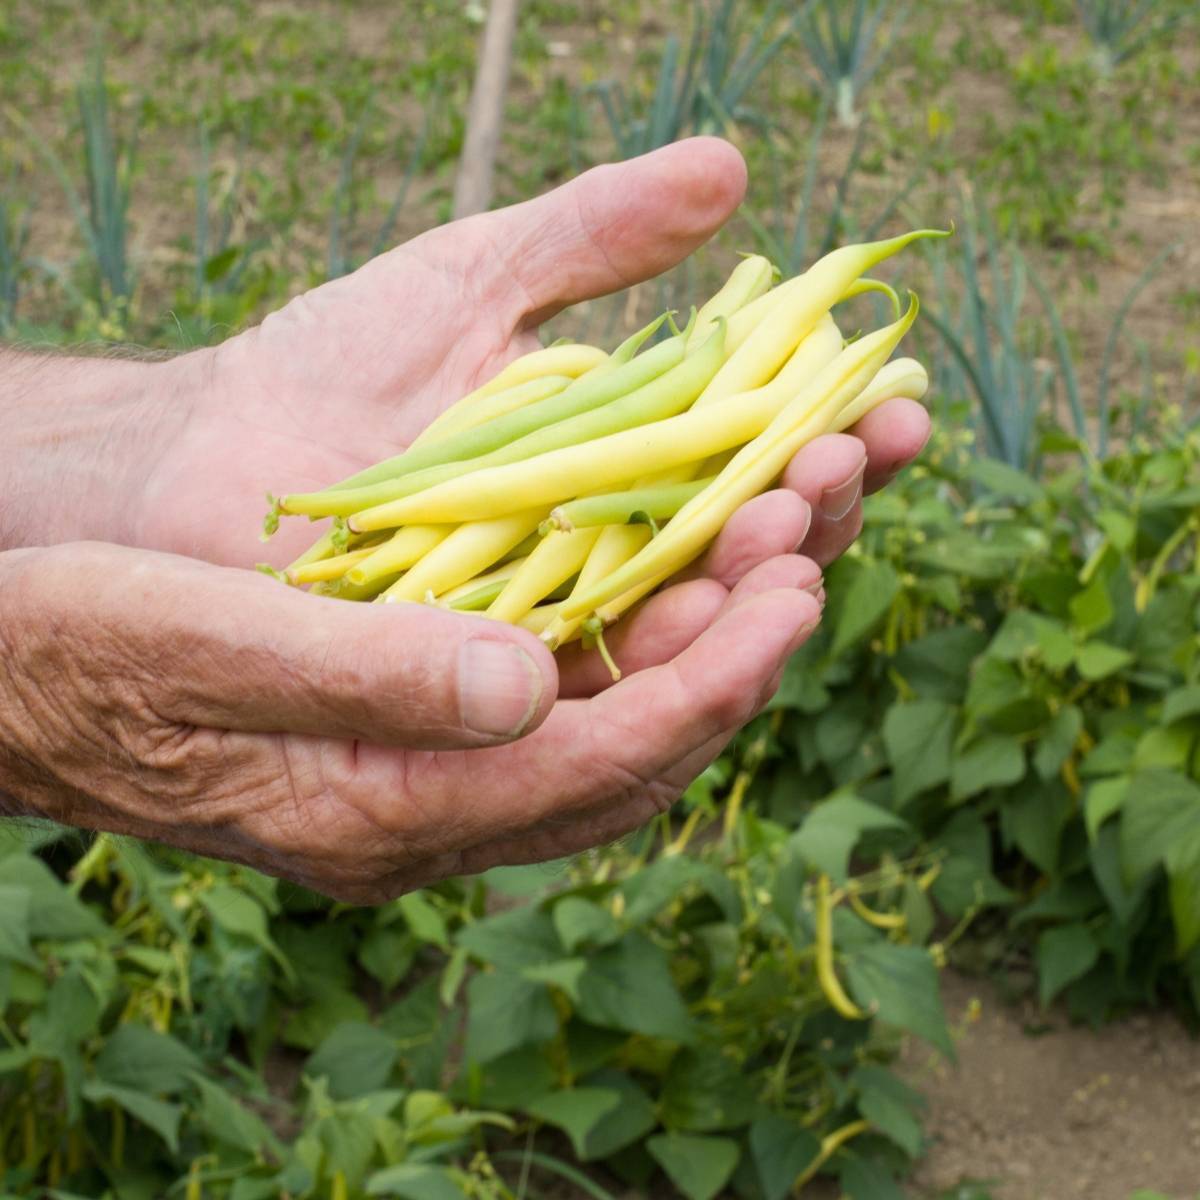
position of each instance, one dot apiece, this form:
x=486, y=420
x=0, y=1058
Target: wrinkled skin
x=364, y=750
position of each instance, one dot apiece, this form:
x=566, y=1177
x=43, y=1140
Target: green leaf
x=386, y=954
x=919, y=738
x=226, y=1120
x=157, y=1115
x=506, y=1011
x=1057, y=741
x=1104, y=799
x=239, y=913
x=781, y=1150
x=863, y=604
x=521, y=937
x=1181, y=703
x=704, y=1091
x=512, y=1081
x=426, y=923
x=415, y=1181
x=331, y=1005
x=1092, y=608
x=633, y=1118
x=1001, y=480
x=355, y=1059
x=698, y=1166
x=833, y=829
x=1098, y=660
x=14, y=927
x=938, y=665
x=580, y=922
x=1034, y=822
x=1027, y=634
x=138, y=1057
x=890, y=1106
x=576, y=1111
x=54, y=913
x=564, y=975
x=994, y=760
x=900, y=985
x=629, y=986
x=1164, y=746
x=1065, y=953
x=1162, y=810
x=869, y=1179
x=1183, y=870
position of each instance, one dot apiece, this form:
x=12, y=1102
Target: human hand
x=333, y=744
x=351, y=372
x=360, y=750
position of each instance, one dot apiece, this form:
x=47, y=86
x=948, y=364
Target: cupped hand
x=351, y=372
x=361, y=749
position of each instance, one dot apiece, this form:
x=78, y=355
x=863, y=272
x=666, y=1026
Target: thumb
x=211, y=646
x=613, y=226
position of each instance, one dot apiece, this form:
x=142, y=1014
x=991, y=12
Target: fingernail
x=817, y=592
x=800, y=637
x=836, y=502
x=499, y=687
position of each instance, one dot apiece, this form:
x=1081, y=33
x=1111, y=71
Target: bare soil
x=1047, y=1111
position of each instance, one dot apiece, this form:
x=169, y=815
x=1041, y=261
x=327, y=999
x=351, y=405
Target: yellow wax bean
x=901, y=377
x=405, y=547
x=327, y=568
x=799, y=304
x=592, y=466
x=808, y=415
x=557, y=557
x=538, y=619
x=499, y=404
x=572, y=359
x=501, y=574
x=751, y=278
x=815, y=351
x=466, y=552
x=616, y=545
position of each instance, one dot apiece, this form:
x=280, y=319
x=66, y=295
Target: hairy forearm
x=80, y=436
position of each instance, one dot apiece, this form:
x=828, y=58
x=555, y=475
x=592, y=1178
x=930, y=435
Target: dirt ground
x=1065, y=1113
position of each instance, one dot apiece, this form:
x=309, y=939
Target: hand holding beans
x=367, y=749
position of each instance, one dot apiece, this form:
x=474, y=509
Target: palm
x=343, y=376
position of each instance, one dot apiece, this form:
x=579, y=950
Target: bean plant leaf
x=705, y=1091
x=863, y=603
x=890, y=1106
x=1065, y=953
x=781, y=1149
x=1161, y=811
x=833, y=829
x=580, y=922
x=54, y=913
x=522, y=937
x=633, y=1118
x=698, y=1166
x=157, y=1115
x=415, y=1181
x=227, y=1120
x=506, y=1011
x=1098, y=660
x=576, y=1111
x=14, y=926
x=629, y=986
x=919, y=738
x=138, y=1057
x=354, y=1059
x=994, y=760
x=900, y=985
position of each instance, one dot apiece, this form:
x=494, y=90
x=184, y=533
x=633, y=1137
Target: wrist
x=81, y=437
